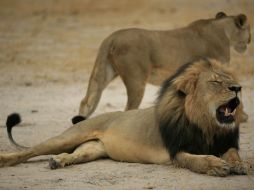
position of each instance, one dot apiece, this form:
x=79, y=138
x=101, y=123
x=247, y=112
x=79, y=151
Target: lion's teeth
x=226, y=112
x=233, y=113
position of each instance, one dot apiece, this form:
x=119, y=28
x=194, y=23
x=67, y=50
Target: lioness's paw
x=239, y=168
x=54, y=164
x=218, y=167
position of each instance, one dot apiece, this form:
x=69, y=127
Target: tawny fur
x=135, y=136
x=142, y=56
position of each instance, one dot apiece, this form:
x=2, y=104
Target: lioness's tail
x=13, y=120
x=103, y=73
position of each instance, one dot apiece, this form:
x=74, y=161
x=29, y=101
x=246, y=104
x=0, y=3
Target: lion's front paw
x=218, y=167
x=239, y=168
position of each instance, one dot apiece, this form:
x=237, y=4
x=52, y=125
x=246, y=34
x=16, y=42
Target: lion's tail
x=13, y=120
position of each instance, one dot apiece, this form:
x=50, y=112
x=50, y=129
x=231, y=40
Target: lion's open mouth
x=226, y=112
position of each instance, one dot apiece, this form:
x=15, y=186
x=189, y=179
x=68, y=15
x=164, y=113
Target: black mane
x=182, y=135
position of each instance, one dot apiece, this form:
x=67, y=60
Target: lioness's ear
x=220, y=15
x=240, y=20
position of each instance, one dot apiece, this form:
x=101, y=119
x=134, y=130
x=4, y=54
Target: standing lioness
x=134, y=54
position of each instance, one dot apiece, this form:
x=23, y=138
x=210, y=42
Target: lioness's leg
x=236, y=164
x=135, y=83
x=134, y=69
x=208, y=164
x=135, y=92
x=101, y=76
x=86, y=152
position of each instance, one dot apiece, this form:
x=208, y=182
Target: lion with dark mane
x=195, y=125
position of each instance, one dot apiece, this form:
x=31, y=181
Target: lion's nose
x=236, y=88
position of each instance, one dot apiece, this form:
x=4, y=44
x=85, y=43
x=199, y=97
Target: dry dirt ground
x=47, y=49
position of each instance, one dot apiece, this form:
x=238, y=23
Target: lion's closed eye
x=215, y=81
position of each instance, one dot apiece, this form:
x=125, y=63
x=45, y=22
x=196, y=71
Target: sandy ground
x=47, y=51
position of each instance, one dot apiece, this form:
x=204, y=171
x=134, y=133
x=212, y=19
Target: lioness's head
x=204, y=92
x=237, y=30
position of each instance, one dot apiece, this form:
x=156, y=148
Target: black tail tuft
x=12, y=120
x=78, y=119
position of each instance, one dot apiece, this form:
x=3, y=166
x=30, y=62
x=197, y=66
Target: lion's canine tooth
x=233, y=113
x=226, y=112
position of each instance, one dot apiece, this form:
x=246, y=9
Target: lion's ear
x=220, y=15
x=187, y=85
x=240, y=20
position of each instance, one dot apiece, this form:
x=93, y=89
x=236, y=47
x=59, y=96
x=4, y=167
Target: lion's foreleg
x=208, y=164
x=236, y=164
x=84, y=153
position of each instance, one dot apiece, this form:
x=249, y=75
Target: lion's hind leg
x=9, y=159
x=208, y=164
x=86, y=152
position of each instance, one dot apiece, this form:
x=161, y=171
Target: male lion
x=136, y=55
x=194, y=125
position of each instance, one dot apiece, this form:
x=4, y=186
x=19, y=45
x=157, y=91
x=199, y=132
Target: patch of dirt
x=47, y=51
